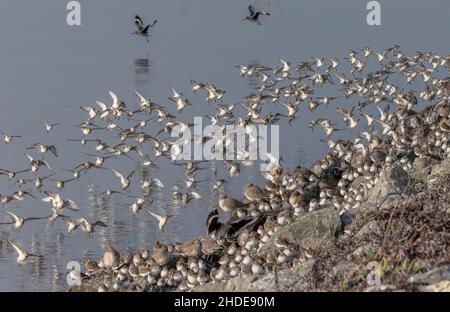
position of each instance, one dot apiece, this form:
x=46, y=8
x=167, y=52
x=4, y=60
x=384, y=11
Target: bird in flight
x=254, y=15
x=162, y=219
x=22, y=255
x=142, y=29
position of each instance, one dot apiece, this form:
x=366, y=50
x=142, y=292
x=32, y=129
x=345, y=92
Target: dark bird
x=229, y=229
x=142, y=30
x=254, y=15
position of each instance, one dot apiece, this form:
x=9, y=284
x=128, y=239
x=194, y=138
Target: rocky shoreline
x=407, y=235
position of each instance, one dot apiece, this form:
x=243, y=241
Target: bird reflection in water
x=143, y=72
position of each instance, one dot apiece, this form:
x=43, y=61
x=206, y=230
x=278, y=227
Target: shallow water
x=48, y=70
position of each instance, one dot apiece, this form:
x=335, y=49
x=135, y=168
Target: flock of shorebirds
x=394, y=131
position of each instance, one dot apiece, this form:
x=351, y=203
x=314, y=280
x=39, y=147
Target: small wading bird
x=19, y=221
x=254, y=15
x=23, y=255
x=142, y=30
x=162, y=219
x=8, y=138
x=49, y=126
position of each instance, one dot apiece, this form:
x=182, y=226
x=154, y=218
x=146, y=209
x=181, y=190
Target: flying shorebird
x=347, y=117
x=218, y=182
x=19, y=221
x=177, y=98
x=72, y=225
x=88, y=227
x=49, y=126
x=137, y=205
x=58, y=202
x=35, y=164
x=12, y=174
x=90, y=110
x=124, y=181
x=162, y=219
x=60, y=184
x=326, y=125
x=8, y=138
x=186, y=197
x=22, y=254
x=254, y=15
x=42, y=149
x=143, y=30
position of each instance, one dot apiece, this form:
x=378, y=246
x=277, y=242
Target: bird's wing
x=141, y=98
x=18, y=250
x=52, y=149
x=11, y=215
x=72, y=205
x=342, y=112
x=251, y=9
x=102, y=105
x=29, y=157
x=139, y=23
x=158, y=182
x=85, y=108
x=47, y=199
x=34, y=218
x=114, y=98
x=82, y=221
x=100, y=223
x=118, y=174
x=156, y=216
x=130, y=175
x=175, y=93
x=196, y=195
x=47, y=165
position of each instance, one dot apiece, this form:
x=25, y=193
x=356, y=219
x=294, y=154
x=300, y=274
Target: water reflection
x=143, y=72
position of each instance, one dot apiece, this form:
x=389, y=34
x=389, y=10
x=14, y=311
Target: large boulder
x=392, y=180
x=309, y=231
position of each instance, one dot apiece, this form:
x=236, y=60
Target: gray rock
x=365, y=250
x=431, y=277
x=442, y=168
x=304, y=268
x=233, y=284
x=372, y=227
x=421, y=169
x=343, y=268
x=309, y=231
x=443, y=286
x=380, y=288
x=391, y=180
